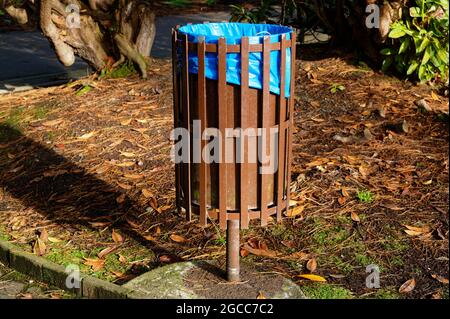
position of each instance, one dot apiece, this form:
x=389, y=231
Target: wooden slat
x=265, y=125
x=176, y=108
x=291, y=117
x=186, y=121
x=244, y=124
x=236, y=48
x=222, y=91
x=282, y=130
x=202, y=114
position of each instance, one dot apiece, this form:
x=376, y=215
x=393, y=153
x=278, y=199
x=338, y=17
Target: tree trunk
x=101, y=32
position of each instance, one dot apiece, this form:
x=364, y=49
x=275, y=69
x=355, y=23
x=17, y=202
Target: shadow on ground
x=67, y=195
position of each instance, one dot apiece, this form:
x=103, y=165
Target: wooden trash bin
x=231, y=189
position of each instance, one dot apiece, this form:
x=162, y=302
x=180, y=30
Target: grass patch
x=365, y=197
x=363, y=260
x=40, y=112
x=343, y=266
x=331, y=236
x=385, y=294
x=326, y=291
x=281, y=232
x=122, y=71
x=392, y=244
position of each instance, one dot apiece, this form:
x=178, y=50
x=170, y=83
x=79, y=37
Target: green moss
x=331, y=236
x=385, y=294
x=281, y=232
x=392, y=244
x=343, y=266
x=396, y=261
x=326, y=291
x=65, y=257
x=363, y=260
x=3, y=234
x=122, y=71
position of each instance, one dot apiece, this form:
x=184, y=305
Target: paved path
x=16, y=285
x=27, y=59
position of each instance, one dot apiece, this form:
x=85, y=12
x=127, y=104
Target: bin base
x=205, y=280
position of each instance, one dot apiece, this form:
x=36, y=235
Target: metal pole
x=233, y=250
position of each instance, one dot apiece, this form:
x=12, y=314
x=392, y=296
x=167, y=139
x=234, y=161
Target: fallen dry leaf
x=39, y=247
x=297, y=210
x=121, y=198
x=311, y=265
x=107, y=251
x=342, y=200
x=440, y=279
x=126, y=122
x=100, y=224
x=132, y=223
x=124, y=186
x=178, y=238
x=354, y=216
x=244, y=252
x=122, y=259
x=117, y=238
x=261, y=295
x=133, y=176
x=95, y=263
x=260, y=252
x=297, y=256
x=147, y=193
x=416, y=231
x=54, y=240
x=288, y=243
x=408, y=286
x=165, y=259
x=52, y=122
x=344, y=192
x=312, y=277
x=86, y=136
x=43, y=235
x=127, y=154
x=149, y=237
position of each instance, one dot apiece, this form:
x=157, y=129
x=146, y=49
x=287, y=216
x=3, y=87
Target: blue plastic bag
x=233, y=32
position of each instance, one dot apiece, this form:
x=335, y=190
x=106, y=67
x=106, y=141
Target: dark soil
x=209, y=281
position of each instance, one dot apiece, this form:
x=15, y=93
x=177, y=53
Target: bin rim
x=252, y=30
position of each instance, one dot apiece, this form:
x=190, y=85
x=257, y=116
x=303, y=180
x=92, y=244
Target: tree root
x=131, y=53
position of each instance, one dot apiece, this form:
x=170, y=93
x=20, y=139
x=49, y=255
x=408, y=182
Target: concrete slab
x=204, y=280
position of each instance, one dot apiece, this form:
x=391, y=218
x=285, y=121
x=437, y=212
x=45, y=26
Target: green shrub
x=419, y=42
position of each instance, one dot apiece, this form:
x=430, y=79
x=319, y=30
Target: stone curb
x=46, y=271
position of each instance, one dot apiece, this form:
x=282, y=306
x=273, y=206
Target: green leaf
x=421, y=73
x=412, y=67
x=414, y=12
x=387, y=63
x=83, y=90
x=427, y=55
x=423, y=45
x=387, y=51
x=404, y=46
x=396, y=33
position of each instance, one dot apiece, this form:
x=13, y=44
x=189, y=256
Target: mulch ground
x=86, y=178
